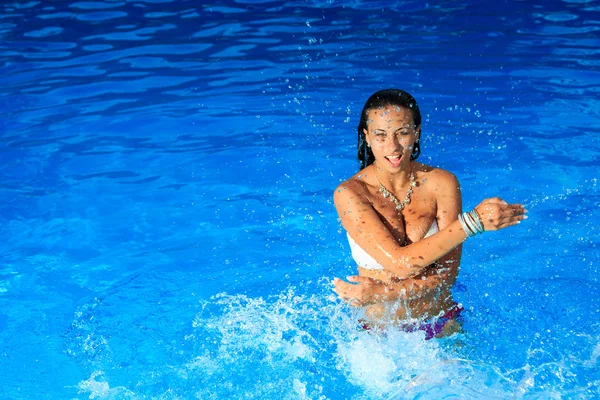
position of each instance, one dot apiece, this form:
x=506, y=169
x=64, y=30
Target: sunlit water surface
x=167, y=229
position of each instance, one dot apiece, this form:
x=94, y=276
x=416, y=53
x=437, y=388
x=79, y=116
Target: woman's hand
x=496, y=214
x=363, y=291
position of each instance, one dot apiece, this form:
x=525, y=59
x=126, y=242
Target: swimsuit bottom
x=432, y=327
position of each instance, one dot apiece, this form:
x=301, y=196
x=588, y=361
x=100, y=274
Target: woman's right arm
x=362, y=223
x=363, y=290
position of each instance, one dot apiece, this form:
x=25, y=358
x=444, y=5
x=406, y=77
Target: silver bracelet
x=475, y=215
x=464, y=225
x=471, y=223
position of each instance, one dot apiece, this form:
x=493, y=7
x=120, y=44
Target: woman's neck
x=395, y=182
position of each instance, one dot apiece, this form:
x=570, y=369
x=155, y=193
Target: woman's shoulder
x=442, y=185
x=356, y=185
x=435, y=176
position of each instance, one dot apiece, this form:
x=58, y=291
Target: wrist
x=471, y=223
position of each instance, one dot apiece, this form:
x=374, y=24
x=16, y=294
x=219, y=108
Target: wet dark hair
x=383, y=98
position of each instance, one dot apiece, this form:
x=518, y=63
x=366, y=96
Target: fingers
x=356, y=294
x=515, y=220
x=515, y=208
x=360, y=279
x=355, y=303
x=512, y=213
x=344, y=289
x=361, y=290
x=495, y=213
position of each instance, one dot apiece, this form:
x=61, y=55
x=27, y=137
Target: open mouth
x=394, y=160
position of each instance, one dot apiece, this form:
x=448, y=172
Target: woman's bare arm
x=362, y=223
x=449, y=206
x=427, y=284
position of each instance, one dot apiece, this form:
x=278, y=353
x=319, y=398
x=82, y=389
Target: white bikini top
x=363, y=259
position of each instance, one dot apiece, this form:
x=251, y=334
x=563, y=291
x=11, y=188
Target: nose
x=395, y=142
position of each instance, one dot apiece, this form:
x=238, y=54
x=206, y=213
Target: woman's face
x=391, y=134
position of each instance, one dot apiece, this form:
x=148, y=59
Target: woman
x=405, y=223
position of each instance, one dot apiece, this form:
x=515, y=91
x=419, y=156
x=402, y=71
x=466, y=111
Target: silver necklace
x=399, y=204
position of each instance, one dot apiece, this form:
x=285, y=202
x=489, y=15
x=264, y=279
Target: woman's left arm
x=443, y=272
x=449, y=206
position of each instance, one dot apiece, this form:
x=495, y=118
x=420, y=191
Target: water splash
x=306, y=346
x=99, y=389
x=309, y=344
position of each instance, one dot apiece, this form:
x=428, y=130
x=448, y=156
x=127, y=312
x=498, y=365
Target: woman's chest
x=413, y=222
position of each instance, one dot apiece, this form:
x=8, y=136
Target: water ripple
x=57, y=15
x=94, y=5
x=48, y=31
x=138, y=34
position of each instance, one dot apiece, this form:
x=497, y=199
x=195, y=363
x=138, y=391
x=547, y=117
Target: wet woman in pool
x=405, y=223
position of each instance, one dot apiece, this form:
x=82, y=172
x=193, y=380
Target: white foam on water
x=102, y=390
x=296, y=346
x=593, y=361
x=463, y=378
x=307, y=337
x=382, y=363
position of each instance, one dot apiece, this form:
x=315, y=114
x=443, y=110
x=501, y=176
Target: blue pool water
x=167, y=229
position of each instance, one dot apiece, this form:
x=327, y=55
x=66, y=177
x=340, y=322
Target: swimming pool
x=167, y=229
